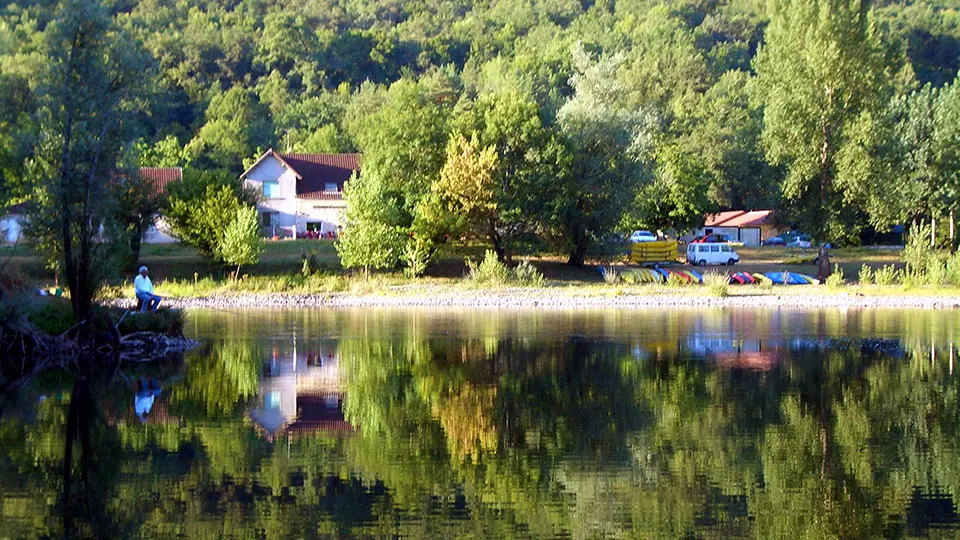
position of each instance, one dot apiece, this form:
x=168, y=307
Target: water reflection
x=301, y=390
x=629, y=424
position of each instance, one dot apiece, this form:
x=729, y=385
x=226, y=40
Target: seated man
x=143, y=288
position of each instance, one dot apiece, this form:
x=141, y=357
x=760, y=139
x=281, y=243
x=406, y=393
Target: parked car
x=774, y=241
x=704, y=253
x=711, y=238
x=642, y=236
x=800, y=241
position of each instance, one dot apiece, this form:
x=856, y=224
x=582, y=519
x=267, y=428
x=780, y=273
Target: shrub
x=164, y=321
x=885, y=275
x=628, y=278
x=916, y=252
x=53, y=316
x=953, y=269
x=936, y=271
x=866, y=275
x=718, y=284
x=527, y=274
x=610, y=275
x=417, y=255
x=835, y=280
x=490, y=271
x=242, y=243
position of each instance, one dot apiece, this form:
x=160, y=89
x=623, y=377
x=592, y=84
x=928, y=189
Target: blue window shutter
x=271, y=190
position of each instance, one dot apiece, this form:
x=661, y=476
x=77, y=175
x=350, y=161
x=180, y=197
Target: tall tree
x=821, y=65
x=608, y=142
x=87, y=99
x=530, y=158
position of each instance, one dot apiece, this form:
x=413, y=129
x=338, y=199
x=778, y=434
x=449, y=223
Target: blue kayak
x=790, y=278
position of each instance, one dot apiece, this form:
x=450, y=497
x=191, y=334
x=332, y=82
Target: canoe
x=790, y=278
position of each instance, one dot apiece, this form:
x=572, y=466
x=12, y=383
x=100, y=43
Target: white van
x=711, y=253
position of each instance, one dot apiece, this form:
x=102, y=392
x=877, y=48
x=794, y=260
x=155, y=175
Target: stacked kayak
x=660, y=275
x=742, y=278
x=777, y=278
x=690, y=276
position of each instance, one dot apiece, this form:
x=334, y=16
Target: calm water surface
x=487, y=424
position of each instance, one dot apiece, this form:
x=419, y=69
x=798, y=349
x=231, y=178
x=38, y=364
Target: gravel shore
x=565, y=299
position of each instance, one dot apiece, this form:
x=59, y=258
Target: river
x=664, y=423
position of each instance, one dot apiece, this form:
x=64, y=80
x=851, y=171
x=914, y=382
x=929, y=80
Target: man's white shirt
x=142, y=284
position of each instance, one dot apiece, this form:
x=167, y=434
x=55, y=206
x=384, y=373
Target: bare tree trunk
x=579, y=251
x=933, y=232
x=823, y=266
x=497, y=241
x=952, y=229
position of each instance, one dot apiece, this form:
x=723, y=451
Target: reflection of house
x=301, y=192
x=301, y=391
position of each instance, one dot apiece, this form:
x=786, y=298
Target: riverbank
x=582, y=297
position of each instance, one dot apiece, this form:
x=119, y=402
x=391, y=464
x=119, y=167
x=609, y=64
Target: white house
x=301, y=192
x=11, y=224
x=160, y=178
x=749, y=227
x=156, y=179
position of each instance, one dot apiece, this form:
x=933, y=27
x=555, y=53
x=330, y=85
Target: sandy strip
x=553, y=299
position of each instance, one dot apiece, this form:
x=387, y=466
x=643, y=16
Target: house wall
x=329, y=213
x=159, y=233
x=10, y=229
x=285, y=207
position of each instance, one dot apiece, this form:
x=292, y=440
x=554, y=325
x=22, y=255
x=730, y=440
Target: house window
x=268, y=219
x=272, y=400
x=331, y=186
x=314, y=226
x=271, y=190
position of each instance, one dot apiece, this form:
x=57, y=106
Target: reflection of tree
x=218, y=382
x=478, y=430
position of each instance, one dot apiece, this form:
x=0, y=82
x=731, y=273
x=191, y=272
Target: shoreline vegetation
x=436, y=295
x=307, y=273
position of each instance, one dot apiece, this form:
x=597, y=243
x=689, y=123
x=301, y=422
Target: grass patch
x=54, y=316
x=717, y=284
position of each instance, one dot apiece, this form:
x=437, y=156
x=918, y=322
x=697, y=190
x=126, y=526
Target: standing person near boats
x=143, y=288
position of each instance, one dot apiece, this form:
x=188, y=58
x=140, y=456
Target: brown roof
x=161, y=177
x=317, y=170
x=740, y=218
x=15, y=210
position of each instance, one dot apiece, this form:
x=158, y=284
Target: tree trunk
x=953, y=244
x=823, y=264
x=579, y=251
x=933, y=232
x=236, y=275
x=497, y=241
x=824, y=182
x=136, y=240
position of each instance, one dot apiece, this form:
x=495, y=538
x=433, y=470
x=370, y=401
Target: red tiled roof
x=15, y=210
x=161, y=177
x=315, y=171
x=740, y=218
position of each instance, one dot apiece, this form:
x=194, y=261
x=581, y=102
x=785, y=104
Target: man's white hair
x=142, y=270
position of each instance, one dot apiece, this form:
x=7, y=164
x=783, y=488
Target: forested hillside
x=561, y=119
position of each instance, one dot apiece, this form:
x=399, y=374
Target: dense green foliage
x=602, y=116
